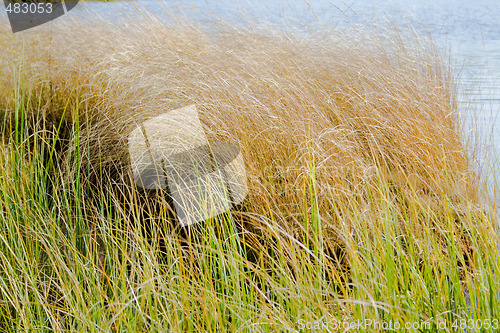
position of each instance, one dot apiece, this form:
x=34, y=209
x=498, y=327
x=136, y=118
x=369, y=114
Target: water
x=469, y=30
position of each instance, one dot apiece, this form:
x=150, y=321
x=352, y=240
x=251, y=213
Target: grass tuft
x=363, y=202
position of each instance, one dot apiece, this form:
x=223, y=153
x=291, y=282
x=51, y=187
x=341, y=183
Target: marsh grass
x=363, y=203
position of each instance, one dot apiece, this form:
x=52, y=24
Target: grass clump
x=363, y=203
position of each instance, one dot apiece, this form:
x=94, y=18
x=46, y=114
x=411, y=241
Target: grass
x=363, y=203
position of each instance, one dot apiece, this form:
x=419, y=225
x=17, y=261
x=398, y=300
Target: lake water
x=469, y=30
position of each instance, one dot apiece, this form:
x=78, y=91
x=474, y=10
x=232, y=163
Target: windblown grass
x=363, y=203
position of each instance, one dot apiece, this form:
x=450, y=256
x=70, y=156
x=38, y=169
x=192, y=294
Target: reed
x=363, y=202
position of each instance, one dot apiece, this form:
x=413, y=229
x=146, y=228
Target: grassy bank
x=363, y=203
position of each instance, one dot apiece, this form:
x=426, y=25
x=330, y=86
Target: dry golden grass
x=351, y=145
x=353, y=106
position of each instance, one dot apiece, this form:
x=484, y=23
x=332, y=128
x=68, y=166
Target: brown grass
x=362, y=201
x=335, y=112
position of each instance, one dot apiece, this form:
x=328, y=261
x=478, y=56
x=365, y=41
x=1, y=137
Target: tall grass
x=363, y=203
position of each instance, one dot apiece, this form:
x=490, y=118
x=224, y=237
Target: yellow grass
x=357, y=105
x=342, y=132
